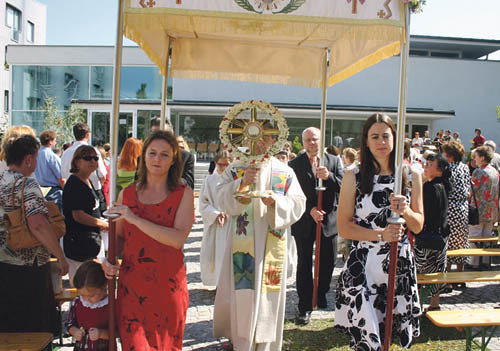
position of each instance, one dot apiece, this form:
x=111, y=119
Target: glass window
x=6, y=100
x=141, y=83
x=100, y=128
x=34, y=119
x=13, y=21
x=350, y=131
x=136, y=83
x=30, y=32
x=32, y=84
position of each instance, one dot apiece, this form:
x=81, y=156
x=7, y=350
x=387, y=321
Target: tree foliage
x=296, y=145
x=60, y=122
x=498, y=113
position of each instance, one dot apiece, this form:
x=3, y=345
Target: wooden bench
x=487, y=320
x=25, y=341
x=486, y=239
x=474, y=252
x=458, y=277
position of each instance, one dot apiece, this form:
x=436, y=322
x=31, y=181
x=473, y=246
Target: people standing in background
x=105, y=185
x=282, y=156
x=447, y=135
x=12, y=132
x=478, y=139
x=435, y=192
x=337, y=140
x=485, y=181
x=456, y=137
x=417, y=142
x=348, y=158
x=48, y=168
x=127, y=164
x=308, y=171
x=81, y=131
x=458, y=206
x=427, y=138
x=216, y=224
x=495, y=160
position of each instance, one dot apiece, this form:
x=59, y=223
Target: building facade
x=451, y=85
x=24, y=23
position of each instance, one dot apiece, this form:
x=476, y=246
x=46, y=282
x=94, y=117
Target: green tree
x=498, y=113
x=296, y=145
x=61, y=123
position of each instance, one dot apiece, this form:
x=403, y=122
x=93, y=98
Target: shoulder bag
x=473, y=210
x=18, y=233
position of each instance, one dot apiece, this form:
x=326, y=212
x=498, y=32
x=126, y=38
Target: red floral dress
x=152, y=288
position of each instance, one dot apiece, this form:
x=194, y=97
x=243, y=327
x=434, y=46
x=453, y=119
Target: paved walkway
x=198, y=331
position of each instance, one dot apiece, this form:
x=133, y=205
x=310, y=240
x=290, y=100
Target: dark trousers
x=305, y=267
x=55, y=194
x=27, y=300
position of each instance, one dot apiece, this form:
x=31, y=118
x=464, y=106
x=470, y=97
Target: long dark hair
x=444, y=166
x=175, y=171
x=369, y=165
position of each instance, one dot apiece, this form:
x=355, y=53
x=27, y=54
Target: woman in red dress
x=156, y=216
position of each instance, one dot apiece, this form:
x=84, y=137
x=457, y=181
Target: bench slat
x=486, y=239
x=24, y=341
x=465, y=318
x=473, y=252
x=458, y=277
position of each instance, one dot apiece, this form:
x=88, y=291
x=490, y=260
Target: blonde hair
x=14, y=132
x=350, y=154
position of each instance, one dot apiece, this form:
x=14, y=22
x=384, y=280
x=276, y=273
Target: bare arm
x=41, y=229
x=174, y=236
x=346, y=226
x=84, y=218
x=414, y=214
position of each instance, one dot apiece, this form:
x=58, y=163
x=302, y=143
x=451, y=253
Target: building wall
x=33, y=12
x=471, y=88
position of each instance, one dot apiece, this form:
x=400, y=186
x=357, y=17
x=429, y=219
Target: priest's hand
x=251, y=176
x=268, y=201
x=221, y=218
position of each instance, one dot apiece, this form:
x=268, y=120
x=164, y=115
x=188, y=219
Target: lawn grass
x=319, y=335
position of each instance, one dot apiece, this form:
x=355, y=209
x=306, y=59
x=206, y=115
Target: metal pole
x=320, y=187
x=395, y=219
x=164, y=87
x=112, y=184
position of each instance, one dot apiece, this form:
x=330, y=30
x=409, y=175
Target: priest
x=250, y=299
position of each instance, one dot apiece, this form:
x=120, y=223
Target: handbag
x=18, y=233
x=473, y=210
x=82, y=246
x=433, y=241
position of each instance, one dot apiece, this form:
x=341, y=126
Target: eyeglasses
x=223, y=164
x=89, y=158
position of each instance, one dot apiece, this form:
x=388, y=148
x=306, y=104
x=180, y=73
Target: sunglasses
x=89, y=158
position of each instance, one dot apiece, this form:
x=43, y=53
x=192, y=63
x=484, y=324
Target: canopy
x=271, y=41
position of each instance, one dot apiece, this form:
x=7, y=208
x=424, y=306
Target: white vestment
x=253, y=318
x=214, y=236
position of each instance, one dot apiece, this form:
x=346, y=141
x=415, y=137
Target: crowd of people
x=247, y=249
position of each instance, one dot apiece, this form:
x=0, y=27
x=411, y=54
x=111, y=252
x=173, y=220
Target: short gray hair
x=491, y=144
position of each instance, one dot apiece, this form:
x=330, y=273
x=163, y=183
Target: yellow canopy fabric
x=271, y=41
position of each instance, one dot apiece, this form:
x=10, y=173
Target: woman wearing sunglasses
x=81, y=211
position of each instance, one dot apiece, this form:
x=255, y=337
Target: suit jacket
x=302, y=167
x=188, y=172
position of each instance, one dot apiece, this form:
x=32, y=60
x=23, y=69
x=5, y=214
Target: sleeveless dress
x=152, y=288
x=361, y=295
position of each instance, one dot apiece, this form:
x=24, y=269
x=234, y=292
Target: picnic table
x=474, y=252
x=487, y=320
x=25, y=341
x=458, y=277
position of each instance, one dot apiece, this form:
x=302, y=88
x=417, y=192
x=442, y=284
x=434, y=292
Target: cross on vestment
x=355, y=5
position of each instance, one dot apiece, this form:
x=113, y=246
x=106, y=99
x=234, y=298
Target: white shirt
x=67, y=157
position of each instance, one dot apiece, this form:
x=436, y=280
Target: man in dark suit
x=187, y=157
x=308, y=171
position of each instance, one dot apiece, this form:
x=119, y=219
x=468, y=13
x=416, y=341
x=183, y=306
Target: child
x=88, y=318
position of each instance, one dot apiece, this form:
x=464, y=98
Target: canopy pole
x=164, y=86
x=112, y=184
x=320, y=188
x=395, y=218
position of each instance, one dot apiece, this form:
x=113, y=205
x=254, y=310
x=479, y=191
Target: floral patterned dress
x=152, y=289
x=458, y=210
x=362, y=287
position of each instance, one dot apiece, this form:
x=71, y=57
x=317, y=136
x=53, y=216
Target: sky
x=93, y=22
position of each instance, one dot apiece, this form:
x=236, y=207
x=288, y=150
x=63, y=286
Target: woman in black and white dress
x=458, y=206
x=366, y=201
